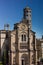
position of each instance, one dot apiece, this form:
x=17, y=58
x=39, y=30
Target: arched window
x=23, y=37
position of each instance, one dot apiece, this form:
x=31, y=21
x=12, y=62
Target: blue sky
x=11, y=12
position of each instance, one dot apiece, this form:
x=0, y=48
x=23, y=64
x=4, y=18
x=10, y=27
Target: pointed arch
x=25, y=59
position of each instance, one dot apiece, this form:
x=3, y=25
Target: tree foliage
x=1, y=63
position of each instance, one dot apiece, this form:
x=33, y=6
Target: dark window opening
x=26, y=15
x=27, y=11
x=23, y=62
x=7, y=35
x=23, y=37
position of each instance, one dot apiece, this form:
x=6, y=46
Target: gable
x=23, y=26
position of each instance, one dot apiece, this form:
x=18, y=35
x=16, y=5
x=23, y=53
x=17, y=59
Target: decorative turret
x=27, y=15
x=6, y=27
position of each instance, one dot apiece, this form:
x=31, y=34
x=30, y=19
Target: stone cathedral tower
x=27, y=15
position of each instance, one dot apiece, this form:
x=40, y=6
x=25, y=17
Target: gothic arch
x=24, y=59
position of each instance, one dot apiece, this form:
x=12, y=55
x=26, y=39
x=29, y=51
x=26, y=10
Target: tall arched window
x=23, y=37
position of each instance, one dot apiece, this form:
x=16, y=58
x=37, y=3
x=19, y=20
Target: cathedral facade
x=20, y=46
